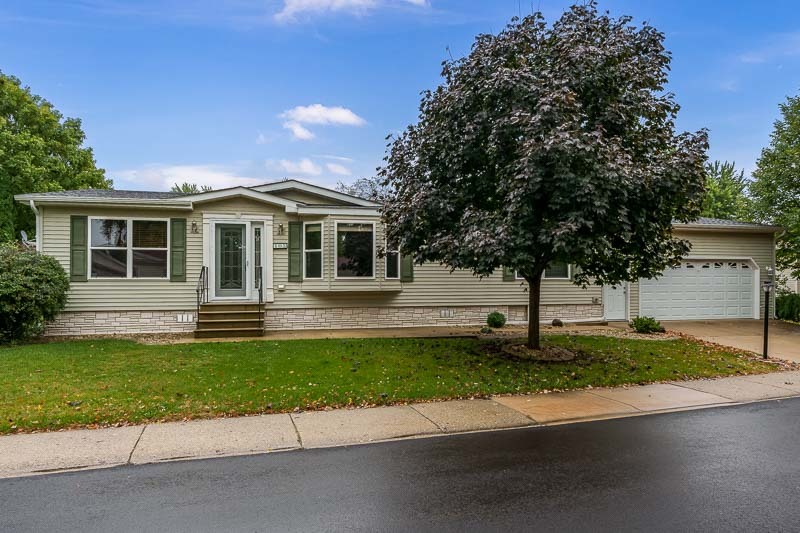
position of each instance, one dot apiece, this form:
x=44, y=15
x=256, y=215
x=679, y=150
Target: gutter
x=106, y=202
x=723, y=227
x=38, y=225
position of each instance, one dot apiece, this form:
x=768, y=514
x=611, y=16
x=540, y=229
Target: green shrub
x=646, y=324
x=496, y=319
x=33, y=290
x=787, y=307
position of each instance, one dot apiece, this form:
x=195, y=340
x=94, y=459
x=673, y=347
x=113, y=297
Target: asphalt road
x=723, y=469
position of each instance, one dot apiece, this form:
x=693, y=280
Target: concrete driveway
x=784, y=338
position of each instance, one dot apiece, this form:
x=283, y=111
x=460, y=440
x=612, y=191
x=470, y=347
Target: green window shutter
x=509, y=274
x=177, y=249
x=78, y=248
x=406, y=268
x=296, y=251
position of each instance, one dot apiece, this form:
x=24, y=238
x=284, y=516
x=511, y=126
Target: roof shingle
x=112, y=193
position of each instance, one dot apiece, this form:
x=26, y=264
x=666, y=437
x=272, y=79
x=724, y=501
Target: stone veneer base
x=119, y=323
x=133, y=322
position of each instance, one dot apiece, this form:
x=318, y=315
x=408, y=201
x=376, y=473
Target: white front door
x=615, y=302
x=231, y=261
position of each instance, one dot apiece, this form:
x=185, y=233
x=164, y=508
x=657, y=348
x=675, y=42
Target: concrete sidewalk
x=27, y=454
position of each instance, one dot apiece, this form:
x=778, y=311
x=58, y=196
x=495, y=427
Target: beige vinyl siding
x=123, y=294
x=633, y=299
x=433, y=285
x=238, y=205
x=724, y=245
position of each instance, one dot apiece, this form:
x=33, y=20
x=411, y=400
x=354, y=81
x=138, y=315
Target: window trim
x=544, y=275
x=129, y=249
x=336, y=249
x=321, y=250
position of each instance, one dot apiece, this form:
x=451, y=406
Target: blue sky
x=226, y=92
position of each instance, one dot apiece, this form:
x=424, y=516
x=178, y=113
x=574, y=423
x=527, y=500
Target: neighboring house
x=790, y=283
x=138, y=261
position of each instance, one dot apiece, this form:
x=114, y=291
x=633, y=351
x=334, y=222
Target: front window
x=109, y=242
x=557, y=270
x=149, y=249
x=128, y=248
x=355, y=250
x=313, y=251
x=392, y=264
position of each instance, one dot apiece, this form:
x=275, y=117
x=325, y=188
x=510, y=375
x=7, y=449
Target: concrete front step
x=220, y=333
x=230, y=319
x=218, y=315
x=227, y=307
x=230, y=323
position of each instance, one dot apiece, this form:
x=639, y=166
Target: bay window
x=355, y=250
x=128, y=248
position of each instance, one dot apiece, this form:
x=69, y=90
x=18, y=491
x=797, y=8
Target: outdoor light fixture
x=194, y=226
x=280, y=229
x=768, y=286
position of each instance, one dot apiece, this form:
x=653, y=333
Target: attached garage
x=719, y=279
x=702, y=289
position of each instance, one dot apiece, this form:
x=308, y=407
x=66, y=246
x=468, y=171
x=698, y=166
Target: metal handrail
x=260, y=283
x=202, y=289
x=260, y=286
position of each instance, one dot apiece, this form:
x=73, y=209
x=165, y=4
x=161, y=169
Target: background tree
x=726, y=192
x=549, y=143
x=370, y=188
x=776, y=184
x=190, y=188
x=40, y=151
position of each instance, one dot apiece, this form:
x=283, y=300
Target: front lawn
x=106, y=382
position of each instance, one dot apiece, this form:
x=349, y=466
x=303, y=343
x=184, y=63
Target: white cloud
x=336, y=168
x=303, y=167
x=298, y=131
x=335, y=157
x=320, y=114
x=317, y=114
x=777, y=46
x=162, y=177
x=265, y=139
x=292, y=9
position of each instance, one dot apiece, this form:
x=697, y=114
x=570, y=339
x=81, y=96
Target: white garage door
x=700, y=290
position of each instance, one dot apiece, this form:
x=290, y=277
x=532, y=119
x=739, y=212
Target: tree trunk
x=534, y=293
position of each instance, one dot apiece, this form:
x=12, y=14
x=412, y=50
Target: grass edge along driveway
x=91, y=383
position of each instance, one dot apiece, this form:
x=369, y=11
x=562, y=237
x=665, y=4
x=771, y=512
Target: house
x=290, y=255
x=791, y=283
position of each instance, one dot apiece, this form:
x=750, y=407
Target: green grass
x=104, y=382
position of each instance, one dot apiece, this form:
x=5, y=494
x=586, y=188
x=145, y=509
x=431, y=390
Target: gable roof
x=173, y=200
x=722, y=224
x=103, y=193
x=162, y=198
x=315, y=189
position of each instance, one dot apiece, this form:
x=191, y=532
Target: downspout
x=38, y=226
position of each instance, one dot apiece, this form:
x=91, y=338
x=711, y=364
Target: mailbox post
x=767, y=286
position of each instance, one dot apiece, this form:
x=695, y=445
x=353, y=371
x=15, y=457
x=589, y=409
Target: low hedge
x=787, y=307
x=33, y=290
